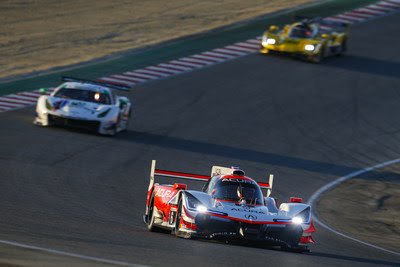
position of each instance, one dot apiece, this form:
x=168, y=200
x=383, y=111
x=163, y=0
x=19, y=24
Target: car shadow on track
x=201, y=147
x=365, y=65
x=234, y=152
x=348, y=259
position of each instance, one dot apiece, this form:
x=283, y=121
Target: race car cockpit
x=303, y=30
x=236, y=190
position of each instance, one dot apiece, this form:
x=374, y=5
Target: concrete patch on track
x=366, y=209
x=363, y=206
x=204, y=59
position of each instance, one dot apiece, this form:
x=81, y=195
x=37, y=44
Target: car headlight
x=194, y=204
x=201, y=208
x=268, y=41
x=297, y=220
x=302, y=217
x=309, y=47
x=271, y=41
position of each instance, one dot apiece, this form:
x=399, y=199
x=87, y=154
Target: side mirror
x=213, y=192
x=273, y=28
x=43, y=91
x=122, y=103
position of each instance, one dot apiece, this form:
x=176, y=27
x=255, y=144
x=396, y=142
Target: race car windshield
x=237, y=190
x=301, y=32
x=84, y=95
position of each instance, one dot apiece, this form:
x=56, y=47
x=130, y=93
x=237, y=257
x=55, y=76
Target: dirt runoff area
x=366, y=208
x=37, y=35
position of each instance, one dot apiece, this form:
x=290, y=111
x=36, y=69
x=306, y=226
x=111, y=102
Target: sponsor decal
x=248, y=210
x=217, y=172
x=59, y=104
x=238, y=181
x=250, y=217
x=224, y=234
x=164, y=193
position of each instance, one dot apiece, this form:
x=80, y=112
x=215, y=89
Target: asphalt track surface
x=308, y=124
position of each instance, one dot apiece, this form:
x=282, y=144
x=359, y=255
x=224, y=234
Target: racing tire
x=318, y=58
x=127, y=120
x=178, y=219
x=150, y=217
x=115, y=129
x=343, y=48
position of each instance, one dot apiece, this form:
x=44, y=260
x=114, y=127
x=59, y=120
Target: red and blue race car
x=231, y=206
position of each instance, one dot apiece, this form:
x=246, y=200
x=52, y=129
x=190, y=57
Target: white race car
x=85, y=104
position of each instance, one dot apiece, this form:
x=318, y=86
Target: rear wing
x=333, y=25
x=109, y=85
x=216, y=170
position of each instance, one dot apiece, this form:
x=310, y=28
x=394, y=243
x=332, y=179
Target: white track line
x=335, y=183
x=74, y=255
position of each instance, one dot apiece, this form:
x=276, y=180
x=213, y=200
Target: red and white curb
x=204, y=59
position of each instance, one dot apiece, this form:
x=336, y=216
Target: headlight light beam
x=201, y=209
x=297, y=220
x=309, y=47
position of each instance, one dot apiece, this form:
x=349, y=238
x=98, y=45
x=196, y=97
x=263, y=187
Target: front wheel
x=150, y=217
x=319, y=57
x=178, y=218
x=342, y=48
x=114, y=130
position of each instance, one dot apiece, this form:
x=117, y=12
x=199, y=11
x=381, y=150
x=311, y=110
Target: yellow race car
x=310, y=39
